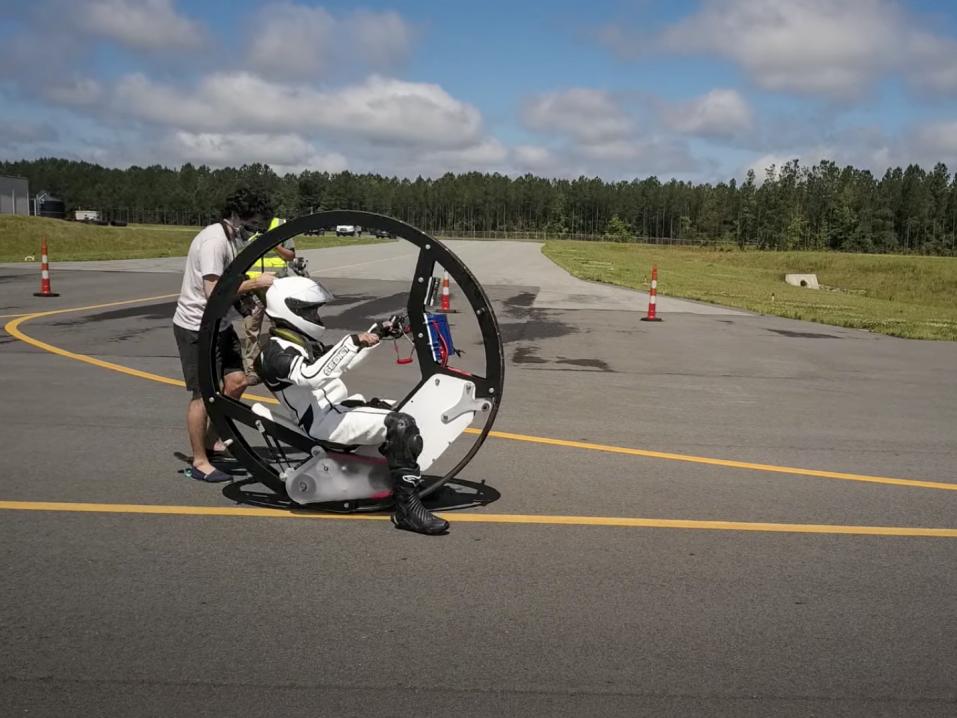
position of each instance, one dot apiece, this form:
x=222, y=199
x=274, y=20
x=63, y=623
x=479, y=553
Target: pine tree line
x=794, y=207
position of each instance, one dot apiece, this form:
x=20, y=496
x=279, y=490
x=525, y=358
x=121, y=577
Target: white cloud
x=761, y=165
x=721, y=113
x=487, y=153
x=381, y=124
x=379, y=110
x=300, y=41
x=382, y=38
x=278, y=150
x=938, y=140
x=292, y=40
x=613, y=151
x=600, y=137
x=584, y=114
x=16, y=134
x=800, y=45
x=819, y=47
x=933, y=63
x=870, y=148
x=641, y=156
x=79, y=92
x=534, y=157
x=140, y=24
x=385, y=109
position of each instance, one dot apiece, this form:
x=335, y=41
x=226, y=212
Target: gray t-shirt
x=209, y=254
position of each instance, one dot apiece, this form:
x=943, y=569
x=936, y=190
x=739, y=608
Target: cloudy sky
x=698, y=90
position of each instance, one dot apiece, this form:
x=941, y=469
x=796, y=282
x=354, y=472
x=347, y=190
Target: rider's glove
x=392, y=328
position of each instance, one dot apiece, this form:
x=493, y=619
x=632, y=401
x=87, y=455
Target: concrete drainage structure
x=802, y=280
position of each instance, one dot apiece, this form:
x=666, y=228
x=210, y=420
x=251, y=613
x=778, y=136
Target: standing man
x=210, y=253
x=275, y=261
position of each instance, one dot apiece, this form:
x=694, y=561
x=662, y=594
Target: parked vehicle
x=343, y=230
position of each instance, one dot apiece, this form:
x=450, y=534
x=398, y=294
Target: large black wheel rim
x=228, y=414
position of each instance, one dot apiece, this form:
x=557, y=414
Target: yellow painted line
x=482, y=518
x=51, y=312
x=12, y=328
x=729, y=463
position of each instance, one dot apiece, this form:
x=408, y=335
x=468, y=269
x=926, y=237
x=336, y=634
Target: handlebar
x=392, y=328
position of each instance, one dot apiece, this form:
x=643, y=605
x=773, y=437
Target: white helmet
x=295, y=301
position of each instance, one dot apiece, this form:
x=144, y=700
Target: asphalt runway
x=205, y=612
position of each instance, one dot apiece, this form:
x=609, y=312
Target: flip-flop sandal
x=213, y=477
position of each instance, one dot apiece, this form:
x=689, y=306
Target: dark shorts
x=229, y=357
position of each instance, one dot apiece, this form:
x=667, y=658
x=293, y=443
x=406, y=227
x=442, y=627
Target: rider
x=305, y=375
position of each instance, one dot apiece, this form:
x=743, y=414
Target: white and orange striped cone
x=45, y=290
x=652, y=298
x=445, y=304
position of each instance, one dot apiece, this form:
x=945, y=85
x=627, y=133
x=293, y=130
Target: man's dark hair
x=247, y=203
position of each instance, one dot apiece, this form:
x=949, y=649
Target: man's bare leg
x=212, y=439
x=234, y=384
x=196, y=427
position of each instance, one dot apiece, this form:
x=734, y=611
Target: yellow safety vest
x=269, y=262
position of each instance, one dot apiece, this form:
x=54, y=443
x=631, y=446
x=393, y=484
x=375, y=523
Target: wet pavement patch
x=593, y=363
x=162, y=310
x=526, y=355
x=518, y=305
x=529, y=355
x=538, y=326
x=804, y=335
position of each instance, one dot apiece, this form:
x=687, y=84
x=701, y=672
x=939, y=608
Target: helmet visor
x=308, y=309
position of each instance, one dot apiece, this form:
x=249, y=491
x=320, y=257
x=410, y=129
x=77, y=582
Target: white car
x=346, y=229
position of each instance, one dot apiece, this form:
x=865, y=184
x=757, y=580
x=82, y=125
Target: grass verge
x=904, y=296
x=20, y=239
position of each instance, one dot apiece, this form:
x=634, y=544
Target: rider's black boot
x=409, y=513
x=402, y=447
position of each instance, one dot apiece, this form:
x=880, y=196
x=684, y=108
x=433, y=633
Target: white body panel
x=443, y=408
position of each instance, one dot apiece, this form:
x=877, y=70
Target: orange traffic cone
x=652, y=298
x=445, y=305
x=45, y=290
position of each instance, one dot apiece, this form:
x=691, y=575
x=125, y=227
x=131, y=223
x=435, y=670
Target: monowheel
x=448, y=369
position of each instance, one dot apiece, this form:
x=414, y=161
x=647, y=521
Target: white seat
x=277, y=418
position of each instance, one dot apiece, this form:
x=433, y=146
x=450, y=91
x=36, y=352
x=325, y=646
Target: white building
x=14, y=195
